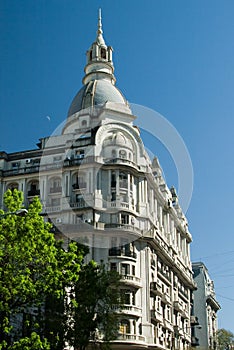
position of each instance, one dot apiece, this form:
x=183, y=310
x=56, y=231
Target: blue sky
x=175, y=57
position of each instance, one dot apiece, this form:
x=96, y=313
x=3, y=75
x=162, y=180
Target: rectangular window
x=125, y=269
x=124, y=219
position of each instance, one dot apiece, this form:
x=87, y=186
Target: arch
x=33, y=187
x=84, y=123
x=12, y=186
x=103, y=53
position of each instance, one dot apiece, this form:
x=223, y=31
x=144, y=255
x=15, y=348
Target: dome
x=96, y=93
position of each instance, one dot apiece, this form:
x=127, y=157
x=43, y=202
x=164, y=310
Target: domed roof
x=96, y=93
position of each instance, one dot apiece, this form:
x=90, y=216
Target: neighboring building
x=205, y=307
x=98, y=185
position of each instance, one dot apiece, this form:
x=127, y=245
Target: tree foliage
x=225, y=339
x=47, y=294
x=33, y=266
x=94, y=315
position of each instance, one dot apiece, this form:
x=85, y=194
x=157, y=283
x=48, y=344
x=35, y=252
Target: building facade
x=98, y=185
x=205, y=307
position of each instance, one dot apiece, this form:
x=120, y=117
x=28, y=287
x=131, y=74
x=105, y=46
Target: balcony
x=166, y=299
x=128, y=309
x=124, y=227
x=56, y=189
x=156, y=288
x=131, y=280
x=53, y=209
x=118, y=204
x=168, y=325
x=18, y=171
x=122, y=252
x=131, y=310
x=195, y=341
x=32, y=193
x=165, y=274
x=79, y=186
x=130, y=338
x=194, y=320
x=83, y=160
x=156, y=316
x=79, y=204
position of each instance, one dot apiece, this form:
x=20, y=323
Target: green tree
x=94, y=315
x=34, y=268
x=225, y=339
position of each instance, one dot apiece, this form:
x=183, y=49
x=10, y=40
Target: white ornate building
x=98, y=185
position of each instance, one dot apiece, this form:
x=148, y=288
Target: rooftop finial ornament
x=99, y=22
x=100, y=39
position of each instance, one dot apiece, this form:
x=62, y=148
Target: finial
x=99, y=31
x=100, y=39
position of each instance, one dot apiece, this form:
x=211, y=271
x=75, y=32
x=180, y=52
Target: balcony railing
x=122, y=252
x=51, y=209
x=80, y=185
x=56, y=189
x=126, y=308
x=119, y=161
x=156, y=288
x=130, y=337
x=156, y=315
x=132, y=279
x=126, y=227
x=32, y=193
x=80, y=204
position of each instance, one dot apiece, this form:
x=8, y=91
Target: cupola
x=99, y=81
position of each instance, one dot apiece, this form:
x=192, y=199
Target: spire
x=100, y=39
x=99, y=58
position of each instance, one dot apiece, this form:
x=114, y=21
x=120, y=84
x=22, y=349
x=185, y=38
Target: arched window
x=84, y=123
x=13, y=186
x=33, y=188
x=103, y=53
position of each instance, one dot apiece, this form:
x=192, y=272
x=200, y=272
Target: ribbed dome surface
x=95, y=93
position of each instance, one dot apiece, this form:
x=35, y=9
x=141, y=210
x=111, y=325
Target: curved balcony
x=133, y=338
x=131, y=280
x=123, y=227
x=79, y=204
x=131, y=310
x=120, y=161
x=122, y=252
